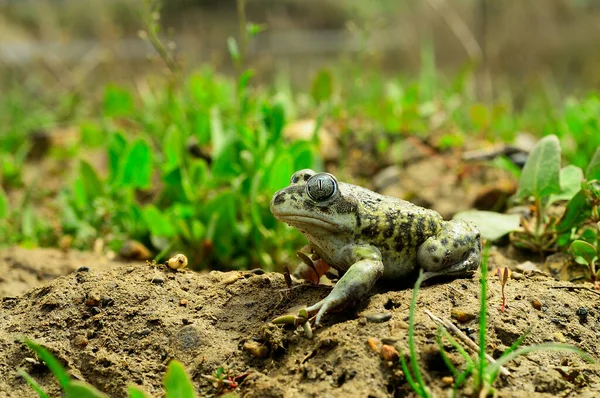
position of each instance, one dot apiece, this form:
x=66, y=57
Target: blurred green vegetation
x=193, y=158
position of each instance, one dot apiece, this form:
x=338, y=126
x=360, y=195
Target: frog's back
x=396, y=227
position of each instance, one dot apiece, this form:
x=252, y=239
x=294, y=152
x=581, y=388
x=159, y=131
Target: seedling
x=484, y=372
x=503, y=274
x=223, y=382
x=176, y=381
x=587, y=254
x=301, y=319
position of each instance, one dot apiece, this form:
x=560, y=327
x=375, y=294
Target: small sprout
x=503, y=274
x=297, y=320
x=586, y=254
x=178, y=261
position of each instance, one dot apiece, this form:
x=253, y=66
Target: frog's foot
x=355, y=284
x=454, y=251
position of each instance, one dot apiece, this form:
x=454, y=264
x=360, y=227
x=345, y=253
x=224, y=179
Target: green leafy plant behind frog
x=543, y=182
x=588, y=254
x=176, y=380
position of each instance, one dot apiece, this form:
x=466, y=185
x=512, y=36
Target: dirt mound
x=122, y=324
x=23, y=269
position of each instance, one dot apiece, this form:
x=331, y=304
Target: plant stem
x=241, y=14
x=482, y=320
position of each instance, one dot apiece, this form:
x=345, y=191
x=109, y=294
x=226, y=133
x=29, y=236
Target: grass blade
x=33, y=384
x=55, y=367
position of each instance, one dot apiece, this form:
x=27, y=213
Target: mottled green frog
x=367, y=236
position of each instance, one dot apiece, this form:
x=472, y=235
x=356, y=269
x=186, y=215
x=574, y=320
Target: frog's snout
x=277, y=200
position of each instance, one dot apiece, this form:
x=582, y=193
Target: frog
x=367, y=236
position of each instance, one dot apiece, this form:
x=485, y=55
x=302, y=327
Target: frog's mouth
x=307, y=222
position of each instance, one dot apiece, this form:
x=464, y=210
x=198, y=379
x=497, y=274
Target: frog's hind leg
x=454, y=251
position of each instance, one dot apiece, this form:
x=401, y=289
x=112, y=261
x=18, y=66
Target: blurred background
x=527, y=43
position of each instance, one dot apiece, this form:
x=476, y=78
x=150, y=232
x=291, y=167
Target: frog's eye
x=321, y=187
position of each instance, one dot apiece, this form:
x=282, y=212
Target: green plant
x=176, y=381
x=544, y=183
x=413, y=374
x=587, y=254
x=484, y=372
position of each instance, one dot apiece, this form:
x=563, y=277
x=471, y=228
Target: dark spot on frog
x=343, y=206
x=455, y=244
x=436, y=259
x=444, y=242
x=370, y=231
x=279, y=198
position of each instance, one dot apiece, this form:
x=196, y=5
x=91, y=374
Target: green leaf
x=91, y=134
x=274, y=119
x=492, y=225
x=177, y=382
x=219, y=137
x=577, y=211
x=245, y=79
x=80, y=389
x=593, y=170
x=173, y=147
x=55, y=367
x=234, y=51
x=541, y=174
x=158, y=223
x=570, y=183
x=585, y=250
x=115, y=151
x=118, y=102
x=136, y=392
x=32, y=383
x=254, y=29
x=135, y=170
x=91, y=182
x=280, y=173
x=322, y=86
x=4, y=208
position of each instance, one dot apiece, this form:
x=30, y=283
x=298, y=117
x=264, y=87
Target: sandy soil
x=120, y=324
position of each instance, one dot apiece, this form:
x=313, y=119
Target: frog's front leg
x=454, y=251
x=356, y=283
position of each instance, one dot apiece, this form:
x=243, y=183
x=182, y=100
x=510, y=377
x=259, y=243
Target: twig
x=470, y=343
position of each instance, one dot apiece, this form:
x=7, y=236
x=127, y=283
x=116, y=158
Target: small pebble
x=92, y=300
x=362, y=321
x=95, y=310
x=256, y=349
x=257, y=271
x=178, y=261
x=80, y=341
x=85, y=268
x=462, y=315
x=157, y=280
x=448, y=380
x=389, y=353
x=559, y=337
x=537, y=304
x=378, y=317
x=374, y=344
x=183, y=302
x=582, y=313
